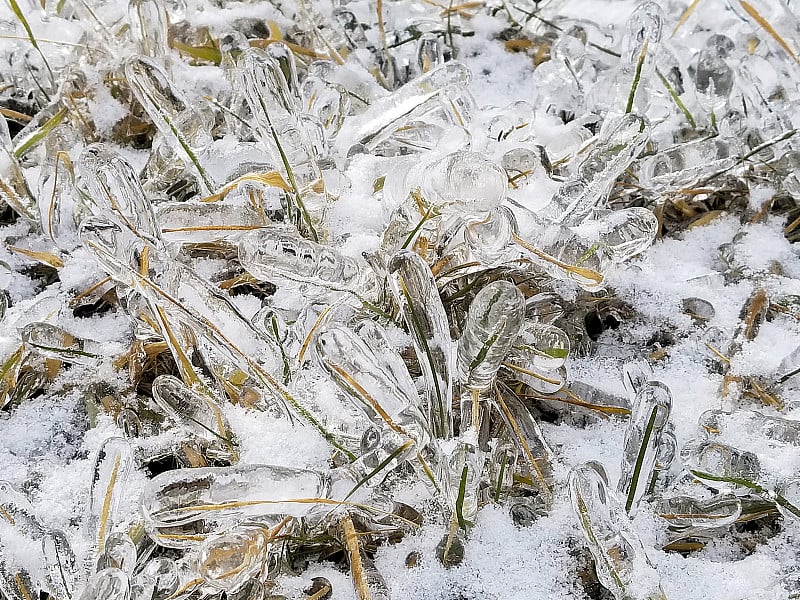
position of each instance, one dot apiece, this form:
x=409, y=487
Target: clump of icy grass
x=400, y=299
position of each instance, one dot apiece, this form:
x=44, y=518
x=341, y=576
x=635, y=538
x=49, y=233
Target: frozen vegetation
x=399, y=299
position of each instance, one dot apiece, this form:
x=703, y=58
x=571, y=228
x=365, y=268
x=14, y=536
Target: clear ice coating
x=713, y=76
x=620, y=559
x=149, y=27
x=229, y=560
x=112, y=467
x=683, y=512
x=492, y=325
x=384, y=392
x=196, y=411
x=464, y=181
x=108, y=584
x=14, y=189
x=50, y=341
x=619, y=142
x=644, y=439
x=278, y=253
x=432, y=97
x=60, y=562
x=774, y=429
x=535, y=462
x=540, y=346
x=415, y=292
x=229, y=494
x=119, y=552
x=721, y=467
x=114, y=189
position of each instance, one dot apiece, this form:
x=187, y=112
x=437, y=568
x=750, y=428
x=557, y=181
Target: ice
x=494, y=319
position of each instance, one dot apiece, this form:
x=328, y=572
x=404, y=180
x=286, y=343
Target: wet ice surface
x=50, y=438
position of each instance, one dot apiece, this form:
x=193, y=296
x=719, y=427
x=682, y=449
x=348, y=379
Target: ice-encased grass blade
x=787, y=506
x=38, y=128
x=186, y=495
x=276, y=253
x=119, y=552
x=112, y=465
x=15, y=8
x=51, y=341
x=114, y=187
x=540, y=347
x=19, y=522
x=271, y=103
x=720, y=466
x=18, y=512
x=9, y=371
x=227, y=561
x=688, y=512
x=618, y=144
x=107, y=240
x=14, y=189
x=620, y=560
x=195, y=223
x=727, y=424
x=463, y=466
x=640, y=47
x=416, y=293
x=62, y=568
x=198, y=412
x=493, y=322
x=622, y=233
x=149, y=27
x=528, y=438
x=16, y=583
x=589, y=278
x=353, y=365
x=57, y=203
x=171, y=114
x=643, y=438
x=387, y=115
x=108, y=584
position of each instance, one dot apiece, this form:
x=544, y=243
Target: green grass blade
x=499, y=486
x=18, y=13
x=276, y=333
x=439, y=415
x=676, y=99
x=37, y=136
x=637, y=75
x=384, y=463
x=462, y=492
x=637, y=469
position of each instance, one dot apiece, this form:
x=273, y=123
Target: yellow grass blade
x=750, y=9
x=532, y=460
x=685, y=16
x=353, y=551
x=580, y=271
x=104, y=513
x=272, y=178
x=43, y=257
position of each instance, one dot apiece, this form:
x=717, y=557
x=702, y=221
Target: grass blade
x=18, y=13
x=381, y=467
x=685, y=16
x=637, y=75
x=41, y=133
x=758, y=18
x=462, y=491
x=637, y=468
x=675, y=98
